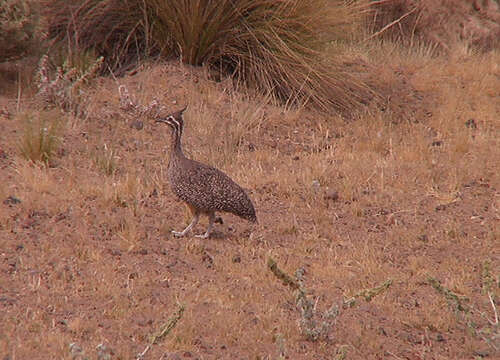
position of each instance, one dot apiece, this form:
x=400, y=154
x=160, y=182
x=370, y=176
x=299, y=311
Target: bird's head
x=174, y=120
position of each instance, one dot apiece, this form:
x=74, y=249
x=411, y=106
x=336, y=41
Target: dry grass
x=19, y=28
x=41, y=138
x=441, y=25
x=87, y=257
x=274, y=47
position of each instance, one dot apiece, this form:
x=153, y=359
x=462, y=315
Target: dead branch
x=129, y=104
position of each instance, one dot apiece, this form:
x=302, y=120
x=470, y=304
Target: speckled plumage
x=204, y=188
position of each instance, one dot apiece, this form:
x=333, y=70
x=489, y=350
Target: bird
x=205, y=189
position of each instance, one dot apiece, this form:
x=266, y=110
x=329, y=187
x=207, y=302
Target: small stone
x=441, y=207
x=171, y=356
x=437, y=143
x=315, y=184
x=471, y=124
x=115, y=252
x=236, y=259
x=424, y=238
x=331, y=195
x=137, y=124
x=11, y=200
x=482, y=353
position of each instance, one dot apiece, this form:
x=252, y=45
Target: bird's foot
x=178, y=233
x=203, y=236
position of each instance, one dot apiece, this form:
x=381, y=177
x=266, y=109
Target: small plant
x=64, y=90
x=40, y=139
x=163, y=331
x=480, y=324
x=105, y=160
x=308, y=322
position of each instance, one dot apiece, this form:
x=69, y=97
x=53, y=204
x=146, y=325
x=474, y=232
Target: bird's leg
x=211, y=220
x=196, y=217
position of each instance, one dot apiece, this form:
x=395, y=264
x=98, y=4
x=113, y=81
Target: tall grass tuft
x=115, y=29
x=40, y=139
x=274, y=46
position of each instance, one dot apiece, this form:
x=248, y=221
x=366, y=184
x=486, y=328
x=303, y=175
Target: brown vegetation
x=441, y=24
x=274, y=47
x=377, y=236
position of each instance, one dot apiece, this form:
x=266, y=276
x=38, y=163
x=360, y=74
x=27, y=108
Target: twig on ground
x=129, y=104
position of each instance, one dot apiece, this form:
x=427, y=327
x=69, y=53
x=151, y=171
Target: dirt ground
x=87, y=256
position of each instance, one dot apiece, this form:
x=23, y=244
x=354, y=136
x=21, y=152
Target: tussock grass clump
x=276, y=47
x=40, y=139
x=117, y=30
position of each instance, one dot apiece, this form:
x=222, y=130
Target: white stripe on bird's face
x=174, y=122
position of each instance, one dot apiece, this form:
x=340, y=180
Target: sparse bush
x=40, y=139
x=314, y=324
x=65, y=88
x=276, y=47
x=18, y=21
x=477, y=321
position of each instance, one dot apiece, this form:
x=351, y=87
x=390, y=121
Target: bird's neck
x=176, y=146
